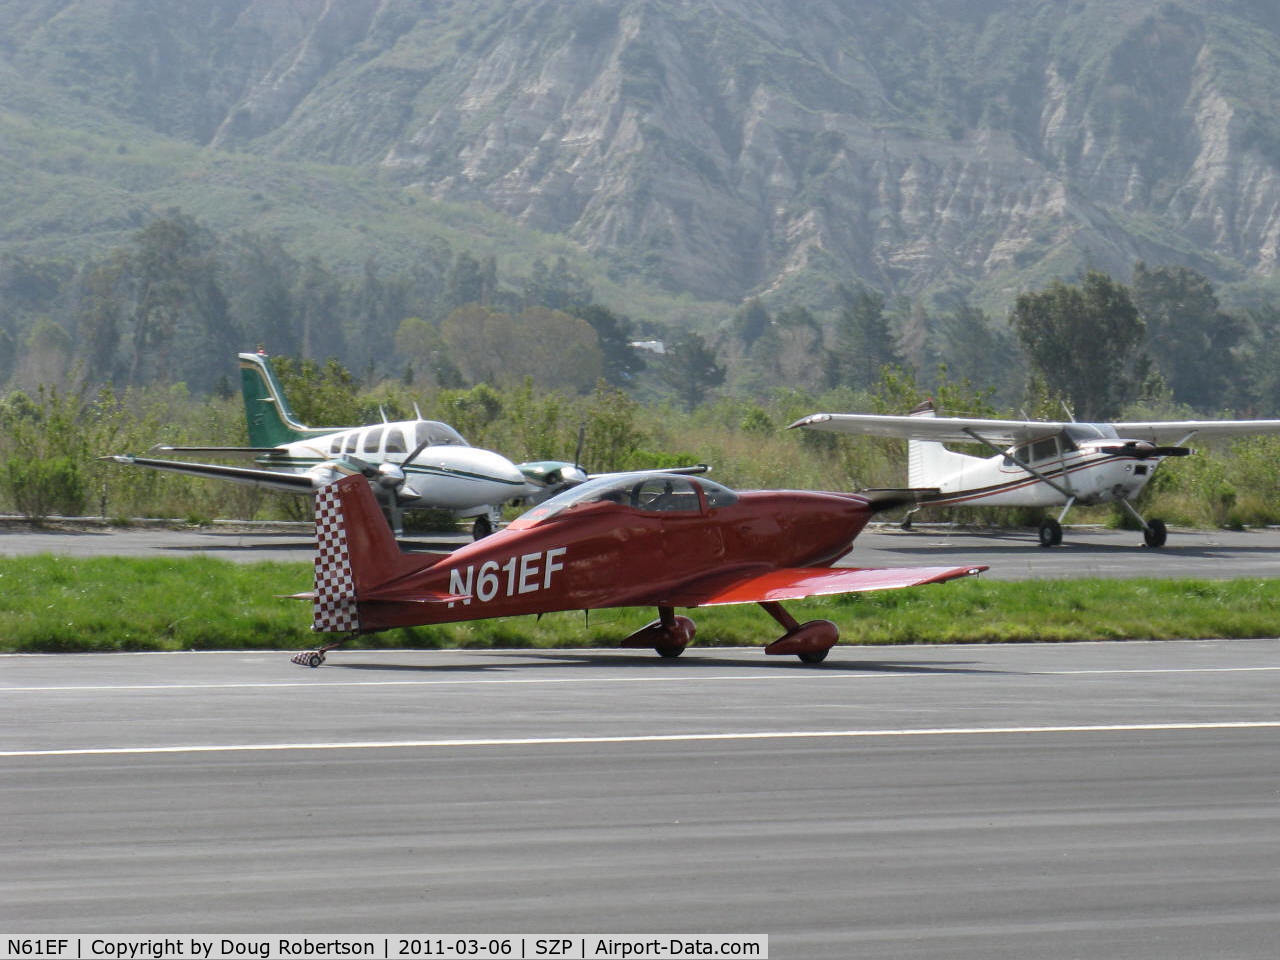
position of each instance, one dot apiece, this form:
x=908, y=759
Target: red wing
x=795, y=583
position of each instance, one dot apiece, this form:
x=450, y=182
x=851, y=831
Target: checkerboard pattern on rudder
x=335, y=605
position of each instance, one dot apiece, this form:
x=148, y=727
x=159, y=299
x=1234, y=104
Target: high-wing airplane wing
x=941, y=429
x=1179, y=431
x=796, y=583
x=271, y=479
x=964, y=429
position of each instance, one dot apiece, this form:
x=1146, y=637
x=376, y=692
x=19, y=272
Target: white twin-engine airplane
x=1036, y=463
x=409, y=463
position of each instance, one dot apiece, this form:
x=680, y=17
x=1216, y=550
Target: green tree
x=1085, y=342
x=1190, y=340
x=43, y=454
x=863, y=341
x=622, y=362
x=557, y=288
x=470, y=281
x=322, y=396
x=978, y=350
x=176, y=315
x=317, y=298
x=612, y=436
x=689, y=369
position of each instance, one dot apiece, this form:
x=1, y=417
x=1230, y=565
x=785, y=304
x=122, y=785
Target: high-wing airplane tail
x=267, y=412
x=928, y=461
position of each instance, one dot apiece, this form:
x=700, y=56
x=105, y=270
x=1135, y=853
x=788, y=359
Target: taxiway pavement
x=1088, y=800
x=1085, y=552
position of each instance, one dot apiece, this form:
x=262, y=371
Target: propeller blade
x=417, y=450
x=1143, y=450
x=359, y=466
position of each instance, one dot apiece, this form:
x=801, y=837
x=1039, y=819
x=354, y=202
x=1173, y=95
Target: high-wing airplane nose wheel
x=1050, y=532
x=1154, y=532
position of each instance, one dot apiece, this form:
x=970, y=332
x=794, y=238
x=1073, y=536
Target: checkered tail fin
x=355, y=552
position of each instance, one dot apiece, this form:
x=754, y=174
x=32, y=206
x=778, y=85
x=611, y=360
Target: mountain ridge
x=927, y=148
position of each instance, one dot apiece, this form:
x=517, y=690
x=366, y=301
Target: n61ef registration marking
x=526, y=573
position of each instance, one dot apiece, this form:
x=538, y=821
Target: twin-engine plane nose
x=493, y=468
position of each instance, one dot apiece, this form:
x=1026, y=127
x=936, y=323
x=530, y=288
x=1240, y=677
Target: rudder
x=929, y=463
x=355, y=553
x=267, y=413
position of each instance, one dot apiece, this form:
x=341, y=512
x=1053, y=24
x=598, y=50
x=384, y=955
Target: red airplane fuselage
x=607, y=554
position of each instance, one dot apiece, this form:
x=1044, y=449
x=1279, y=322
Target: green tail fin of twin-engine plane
x=271, y=421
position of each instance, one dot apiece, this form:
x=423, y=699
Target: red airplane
x=623, y=540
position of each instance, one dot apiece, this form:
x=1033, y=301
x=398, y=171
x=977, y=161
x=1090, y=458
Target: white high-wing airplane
x=1036, y=463
x=410, y=463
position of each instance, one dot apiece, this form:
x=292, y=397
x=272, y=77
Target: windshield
x=437, y=434
x=648, y=492
x=1080, y=432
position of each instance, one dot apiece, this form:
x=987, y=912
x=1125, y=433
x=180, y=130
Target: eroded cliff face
x=731, y=147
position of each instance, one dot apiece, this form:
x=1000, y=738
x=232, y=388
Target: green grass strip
x=53, y=603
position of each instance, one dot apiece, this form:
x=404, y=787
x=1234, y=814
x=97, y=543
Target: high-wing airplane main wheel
x=315, y=660
x=1155, y=534
x=1050, y=532
x=481, y=528
x=814, y=656
x=669, y=650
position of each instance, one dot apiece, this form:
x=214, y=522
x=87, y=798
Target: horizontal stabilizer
x=427, y=597
x=796, y=583
x=889, y=498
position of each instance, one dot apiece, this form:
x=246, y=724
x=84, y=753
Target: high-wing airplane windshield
x=437, y=434
x=1090, y=431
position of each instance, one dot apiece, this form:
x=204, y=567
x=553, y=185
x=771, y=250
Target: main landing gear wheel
x=1155, y=533
x=309, y=658
x=481, y=528
x=1050, y=533
x=669, y=651
x=814, y=656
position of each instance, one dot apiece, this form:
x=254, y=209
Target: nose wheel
x=809, y=642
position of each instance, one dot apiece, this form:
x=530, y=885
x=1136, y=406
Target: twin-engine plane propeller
x=656, y=539
x=1036, y=463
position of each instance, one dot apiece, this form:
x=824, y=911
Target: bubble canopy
x=647, y=492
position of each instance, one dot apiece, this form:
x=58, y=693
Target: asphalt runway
x=1090, y=801
x=1085, y=552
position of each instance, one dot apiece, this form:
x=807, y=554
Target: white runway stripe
x=655, y=738
x=922, y=670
